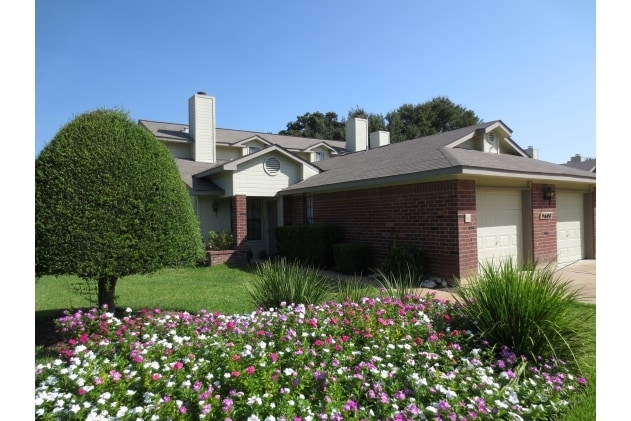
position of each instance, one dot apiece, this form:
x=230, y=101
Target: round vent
x=271, y=166
x=492, y=137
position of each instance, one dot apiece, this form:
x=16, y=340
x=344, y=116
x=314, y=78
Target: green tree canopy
x=109, y=202
x=316, y=125
x=407, y=122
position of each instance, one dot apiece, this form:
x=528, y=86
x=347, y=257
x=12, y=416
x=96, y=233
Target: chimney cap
x=201, y=93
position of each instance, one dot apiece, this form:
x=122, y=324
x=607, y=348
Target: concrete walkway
x=582, y=275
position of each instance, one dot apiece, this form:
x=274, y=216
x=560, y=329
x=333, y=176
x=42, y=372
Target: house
x=582, y=163
x=466, y=196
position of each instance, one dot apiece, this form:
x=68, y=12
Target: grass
x=220, y=288
x=225, y=289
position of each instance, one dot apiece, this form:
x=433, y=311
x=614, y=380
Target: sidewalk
x=582, y=275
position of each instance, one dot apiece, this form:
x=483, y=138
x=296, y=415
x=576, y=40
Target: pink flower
x=177, y=366
x=156, y=376
x=250, y=370
x=81, y=391
x=273, y=356
x=235, y=374
x=116, y=376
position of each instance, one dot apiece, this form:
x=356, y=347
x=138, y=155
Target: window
x=254, y=219
x=252, y=149
x=309, y=209
x=320, y=156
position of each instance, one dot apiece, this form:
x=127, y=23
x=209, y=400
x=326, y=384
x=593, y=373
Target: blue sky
x=530, y=64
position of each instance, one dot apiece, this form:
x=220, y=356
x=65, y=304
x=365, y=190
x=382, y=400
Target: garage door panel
x=499, y=225
x=570, y=227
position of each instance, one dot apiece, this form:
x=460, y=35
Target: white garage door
x=570, y=222
x=499, y=225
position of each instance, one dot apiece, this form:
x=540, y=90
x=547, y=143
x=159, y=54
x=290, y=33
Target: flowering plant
x=380, y=358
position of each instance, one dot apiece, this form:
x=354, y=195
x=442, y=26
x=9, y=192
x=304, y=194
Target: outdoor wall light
x=216, y=207
x=548, y=193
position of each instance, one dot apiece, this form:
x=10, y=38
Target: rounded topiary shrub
x=109, y=202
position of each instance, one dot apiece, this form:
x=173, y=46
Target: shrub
x=352, y=258
x=400, y=285
x=277, y=281
x=110, y=202
x=223, y=240
x=353, y=290
x=309, y=244
x=525, y=307
x=406, y=262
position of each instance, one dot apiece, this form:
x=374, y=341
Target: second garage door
x=500, y=231
x=570, y=222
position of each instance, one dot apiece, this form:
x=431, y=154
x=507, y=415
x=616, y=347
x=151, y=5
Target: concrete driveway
x=582, y=275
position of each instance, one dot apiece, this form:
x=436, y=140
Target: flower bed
x=378, y=359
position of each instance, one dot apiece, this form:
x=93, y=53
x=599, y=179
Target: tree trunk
x=107, y=286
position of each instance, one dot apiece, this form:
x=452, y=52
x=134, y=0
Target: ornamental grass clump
x=528, y=308
x=280, y=281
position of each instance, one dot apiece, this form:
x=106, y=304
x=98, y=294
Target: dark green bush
x=352, y=258
x=406, y=262
x=309, y=244
x=110, y=202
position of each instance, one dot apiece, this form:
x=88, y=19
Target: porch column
x=240, y=227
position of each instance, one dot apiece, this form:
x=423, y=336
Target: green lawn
x=219, y=288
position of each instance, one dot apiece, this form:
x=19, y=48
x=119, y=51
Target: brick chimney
x=201, y=121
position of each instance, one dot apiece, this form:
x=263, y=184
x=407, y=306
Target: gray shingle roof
x=189, y=168
x=587, y=165
x=426, y=157
x=173, y=132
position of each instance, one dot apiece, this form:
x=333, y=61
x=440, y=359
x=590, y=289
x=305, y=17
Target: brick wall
x=544, y=231
x=240, y=227
x=429, y=215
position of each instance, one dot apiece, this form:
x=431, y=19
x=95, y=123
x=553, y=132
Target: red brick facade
x=240, y=227
x=440, y=217
x=544, y=231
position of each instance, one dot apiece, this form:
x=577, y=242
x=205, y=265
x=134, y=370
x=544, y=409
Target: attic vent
x=271, y=166
x=491, y=137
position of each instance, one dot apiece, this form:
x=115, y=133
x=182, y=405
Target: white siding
x=180, y=150
x=202, y=127
x=227, y=153
x=356, y=134
x=208, y=220
x=252, y=180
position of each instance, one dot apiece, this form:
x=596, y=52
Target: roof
x=411, y=161
x=175, y=132
x=587, y=165
x=201, y=186
x=425, y=157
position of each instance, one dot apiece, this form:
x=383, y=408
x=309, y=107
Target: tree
x=436, y=116
x=407, y=122
x=316, y=125
x=109, y=202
